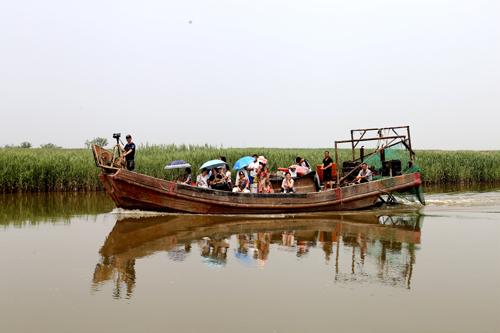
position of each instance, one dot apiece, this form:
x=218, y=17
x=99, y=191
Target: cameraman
x=129, y=153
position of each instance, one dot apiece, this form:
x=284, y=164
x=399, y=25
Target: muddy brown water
x=73, y=263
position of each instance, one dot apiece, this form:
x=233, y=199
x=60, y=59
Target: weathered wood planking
x=132, y=190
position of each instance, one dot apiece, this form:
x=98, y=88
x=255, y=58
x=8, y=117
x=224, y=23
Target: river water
x=73, y=263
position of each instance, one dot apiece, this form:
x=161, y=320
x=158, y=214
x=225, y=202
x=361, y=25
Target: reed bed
x=47, y=170
x=51, y=170
x=453, y=167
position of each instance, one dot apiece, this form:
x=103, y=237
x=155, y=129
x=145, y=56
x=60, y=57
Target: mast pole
x=337, y=164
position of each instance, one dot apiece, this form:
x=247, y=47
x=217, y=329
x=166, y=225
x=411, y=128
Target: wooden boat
x=131, y=190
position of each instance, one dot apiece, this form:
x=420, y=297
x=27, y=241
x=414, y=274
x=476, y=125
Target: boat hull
x=130, y=190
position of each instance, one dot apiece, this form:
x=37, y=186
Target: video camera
x=117, y=137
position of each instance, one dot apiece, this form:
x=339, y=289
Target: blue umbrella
x=213, y=164
x=243, y=162
x=177, y=164
x=245, y=258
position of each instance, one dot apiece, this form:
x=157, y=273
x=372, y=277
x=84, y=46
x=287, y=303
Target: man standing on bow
x=129, y=154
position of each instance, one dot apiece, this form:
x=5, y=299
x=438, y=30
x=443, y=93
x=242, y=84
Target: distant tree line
x=88, y=144
x=96, y=141
x=26, y=145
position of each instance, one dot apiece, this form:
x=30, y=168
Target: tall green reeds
x=46, y=170
x=444, y=167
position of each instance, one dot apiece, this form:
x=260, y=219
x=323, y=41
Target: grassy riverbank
x=33, y=170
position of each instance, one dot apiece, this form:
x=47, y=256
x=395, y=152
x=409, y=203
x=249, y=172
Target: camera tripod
x=118, y=160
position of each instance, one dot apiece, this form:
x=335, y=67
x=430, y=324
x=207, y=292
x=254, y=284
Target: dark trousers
x=130, y=165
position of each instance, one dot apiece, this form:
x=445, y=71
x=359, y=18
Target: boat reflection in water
x=369, y=246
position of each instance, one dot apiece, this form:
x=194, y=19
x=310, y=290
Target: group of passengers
x=215, y=178
x=364, y=175
x=256, y=176
x=253, y=178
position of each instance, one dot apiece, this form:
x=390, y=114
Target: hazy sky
x=250, y=73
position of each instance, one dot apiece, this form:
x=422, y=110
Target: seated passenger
x=227, y=173
x=292, y=170
x=224, y=179
x=287, y=186
x=246, y=171
x=268, y=188
x=216, y=180
x=211, y=177
x=242, y=183
x=365, y=175
x=228, y=179
x=201, y=180
x=186, y=178
x=303, y=163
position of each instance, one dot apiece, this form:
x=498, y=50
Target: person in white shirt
x=253, y=168
x=365, y=175
x=227, y=172
x=287, y=186
x=202, y=179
